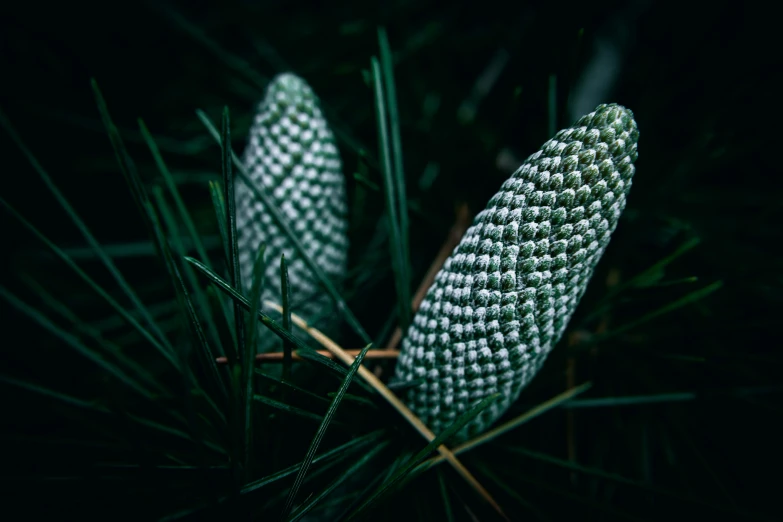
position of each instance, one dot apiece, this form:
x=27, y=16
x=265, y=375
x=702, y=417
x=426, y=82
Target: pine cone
x=291, y=155
x=505, y=295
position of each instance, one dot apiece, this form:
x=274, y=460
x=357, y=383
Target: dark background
x=701, y=84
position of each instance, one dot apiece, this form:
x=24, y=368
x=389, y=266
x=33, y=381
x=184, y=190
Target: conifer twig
x=392, y=399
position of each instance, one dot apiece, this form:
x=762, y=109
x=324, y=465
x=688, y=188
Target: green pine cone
x=292, y=157
x=505, y=295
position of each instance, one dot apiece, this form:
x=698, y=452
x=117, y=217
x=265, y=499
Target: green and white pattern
x=505, y=295
x=292, y=157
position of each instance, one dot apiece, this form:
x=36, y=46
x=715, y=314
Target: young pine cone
x=292, y=157
x=505, y=295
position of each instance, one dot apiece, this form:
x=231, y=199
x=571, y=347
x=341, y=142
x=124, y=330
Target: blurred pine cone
x=505, y=295
x=292, y=157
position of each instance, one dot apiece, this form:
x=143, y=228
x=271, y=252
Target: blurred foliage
x=700, y=383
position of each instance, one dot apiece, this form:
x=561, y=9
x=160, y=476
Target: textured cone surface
x=506, y=293
x=292, y=157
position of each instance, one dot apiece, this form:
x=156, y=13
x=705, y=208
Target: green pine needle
x=397, y=248
x=685, y=300
x=85, y=231
x=342, y=451
x=219, y=205
x=387, y=70
x=293, y=410
x=285, y=288
x=186, y=218
x=165, y=350
x=408, y=471
x=355, y=468
x=199, y=294
x=230, y=217
x=76, y=344
x=310, y=455
x=334, y=368
x=205, y=353
x=249, y=360
x=293, y=388
x=90, y=331
x=226, y=288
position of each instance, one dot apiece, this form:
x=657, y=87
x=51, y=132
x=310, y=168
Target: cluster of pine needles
x=165, y=411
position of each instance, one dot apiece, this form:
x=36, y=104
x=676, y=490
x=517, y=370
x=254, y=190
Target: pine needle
x=392, y=399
